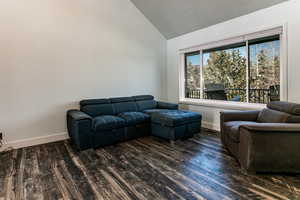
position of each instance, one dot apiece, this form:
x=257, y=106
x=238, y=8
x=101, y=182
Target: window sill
x=223, y=104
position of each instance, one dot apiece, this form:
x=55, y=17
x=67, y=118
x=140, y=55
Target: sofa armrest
x=269, y=147
x=165, y=105
x=273, y=127
x=79, y=126
x=239, y=115
x=78, y=115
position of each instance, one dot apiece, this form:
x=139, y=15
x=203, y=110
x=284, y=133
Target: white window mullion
x=247, y=71
x=201, y=75
x=182, y=77
x=284, y=65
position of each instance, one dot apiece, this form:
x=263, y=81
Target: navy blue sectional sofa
x=101, y=122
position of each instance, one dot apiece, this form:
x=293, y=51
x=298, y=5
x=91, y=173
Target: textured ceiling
x=177, y=17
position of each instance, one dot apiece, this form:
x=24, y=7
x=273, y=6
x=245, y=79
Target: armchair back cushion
x=292, y=109
x=287, y=107
x=97, y=107
x=293, y=119
x=272, y=116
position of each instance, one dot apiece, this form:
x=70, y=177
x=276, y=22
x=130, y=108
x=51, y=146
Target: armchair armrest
x=165, y=105
x=239, y=115
x=273, y=127
x=79, y=126
x=270, y=147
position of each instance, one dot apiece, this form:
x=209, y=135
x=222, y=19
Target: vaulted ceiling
x=177, y=17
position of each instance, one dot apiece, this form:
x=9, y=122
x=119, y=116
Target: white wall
x=54, y=53
x=280, y=14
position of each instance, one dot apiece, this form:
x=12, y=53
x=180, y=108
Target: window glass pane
x=224, y=74
x=192, y=75
x=264, y=78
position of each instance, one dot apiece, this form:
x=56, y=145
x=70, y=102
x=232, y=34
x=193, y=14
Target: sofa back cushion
x=123, y=104
x=96, y=107
x=146, y=105
x=145, y=102
x=143, y=97
x=272, y=116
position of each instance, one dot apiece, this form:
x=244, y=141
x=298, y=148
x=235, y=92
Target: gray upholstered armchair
x=266, y=140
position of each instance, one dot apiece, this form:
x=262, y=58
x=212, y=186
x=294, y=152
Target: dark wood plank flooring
x=146, y=168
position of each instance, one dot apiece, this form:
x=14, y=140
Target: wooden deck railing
x=255, y=95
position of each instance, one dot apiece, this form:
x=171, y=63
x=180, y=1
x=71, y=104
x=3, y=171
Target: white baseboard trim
x=35, y=141
x=64, y=135
x=210, y=125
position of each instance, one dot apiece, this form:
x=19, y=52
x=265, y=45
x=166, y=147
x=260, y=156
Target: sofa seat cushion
x=151, y=111
x=133, y=118
x=232, y=129
x=108, y=122
x=174, y=118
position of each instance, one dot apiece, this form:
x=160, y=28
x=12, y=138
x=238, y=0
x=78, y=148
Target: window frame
x=237, y=39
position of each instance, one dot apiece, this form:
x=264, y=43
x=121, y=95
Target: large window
x=245, y=71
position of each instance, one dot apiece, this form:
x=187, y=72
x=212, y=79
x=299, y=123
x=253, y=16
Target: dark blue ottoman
x=175, y=124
